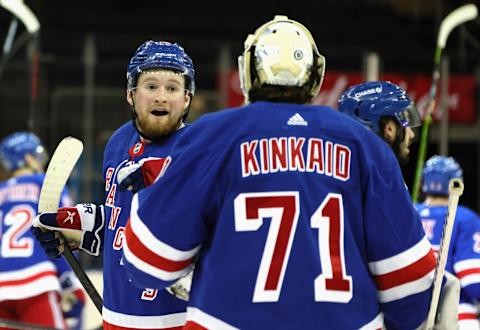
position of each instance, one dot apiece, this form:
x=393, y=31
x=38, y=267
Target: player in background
x=294, y=215
x=30, y=282
x=464, y=253
x=385, y=109
x=160, y=87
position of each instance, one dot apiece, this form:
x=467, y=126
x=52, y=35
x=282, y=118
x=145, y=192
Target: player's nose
x=161, y=95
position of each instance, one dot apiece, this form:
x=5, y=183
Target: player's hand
x=50, y=241
x=72, y=303
x=131, y=178
x=137, y=176
x=181, y=288
x=82, y=226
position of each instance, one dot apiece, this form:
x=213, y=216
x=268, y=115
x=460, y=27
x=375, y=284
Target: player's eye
x=172, y=88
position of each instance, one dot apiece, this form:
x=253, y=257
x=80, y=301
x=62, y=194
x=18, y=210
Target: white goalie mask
x=283, y=53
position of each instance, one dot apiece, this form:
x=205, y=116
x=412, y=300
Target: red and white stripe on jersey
x=406, y=273
x=467, y=317
x=118, y=321
x=150, y=255
x=57, y=314
x=468, y=271
x=199, y=320
x=29, y=282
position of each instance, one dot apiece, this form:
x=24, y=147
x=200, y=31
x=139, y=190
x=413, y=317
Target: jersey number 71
x=333, y=284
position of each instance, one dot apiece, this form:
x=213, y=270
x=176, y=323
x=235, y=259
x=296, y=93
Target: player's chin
x=160, y=129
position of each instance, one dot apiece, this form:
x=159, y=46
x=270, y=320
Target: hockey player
x=464, y=253
x=295, y=216
x=30, y=283
x=385, y=109
x=160, y=86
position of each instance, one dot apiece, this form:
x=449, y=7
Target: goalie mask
x=282, y=52
x=16, y=146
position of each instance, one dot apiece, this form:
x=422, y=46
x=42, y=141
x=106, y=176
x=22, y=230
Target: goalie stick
x=455, y=190
x=61, y=165
x=455, y=18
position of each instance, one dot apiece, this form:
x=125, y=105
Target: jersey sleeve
x=466, y=253
x=163, y=236
x=400, y=257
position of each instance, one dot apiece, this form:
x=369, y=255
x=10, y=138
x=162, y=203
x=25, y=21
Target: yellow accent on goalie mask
x=284, y=53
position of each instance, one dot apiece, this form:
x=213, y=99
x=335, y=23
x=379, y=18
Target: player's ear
x=187, y=99
x=389, y=130
x=130, y=96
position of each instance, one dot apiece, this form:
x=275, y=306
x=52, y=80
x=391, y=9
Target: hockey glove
x=73, y=303
x=137, y=176
x=82, y=226
x=131, y=178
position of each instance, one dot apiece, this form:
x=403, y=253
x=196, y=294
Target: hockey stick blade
x=455, y=190
x=61, y=165
x=455, y=18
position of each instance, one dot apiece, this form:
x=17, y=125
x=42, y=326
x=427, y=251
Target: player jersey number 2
x=333, y=284
x=15, y=223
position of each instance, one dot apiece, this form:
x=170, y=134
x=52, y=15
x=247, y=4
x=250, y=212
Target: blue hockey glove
x=131, y=178
x=137, y=176
x=49, y=240
x=82, y=226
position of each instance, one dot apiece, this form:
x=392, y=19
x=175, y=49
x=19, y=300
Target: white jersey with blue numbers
x=25, y=269
x=124, y=305
x=463, y=259
x=296, y=217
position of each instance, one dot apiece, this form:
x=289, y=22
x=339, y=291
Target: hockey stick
x=455, y=190
x=20, y=325
x=455, y=18
x=61, y=165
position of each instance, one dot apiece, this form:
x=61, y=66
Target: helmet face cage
x=153, y=55
x=438, y=172
x=370, y=101
x=16, y=146
x=282, y=52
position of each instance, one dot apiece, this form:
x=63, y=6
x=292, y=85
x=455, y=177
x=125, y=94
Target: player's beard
x=153, y=130
x=399, y=147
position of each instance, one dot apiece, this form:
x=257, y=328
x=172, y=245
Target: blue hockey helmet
x=16, y=146
x=370, y=101
x=161, y=55
x=437, y=173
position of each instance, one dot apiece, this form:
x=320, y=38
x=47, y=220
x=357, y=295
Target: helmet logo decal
x=298, y=54
x=368, y=91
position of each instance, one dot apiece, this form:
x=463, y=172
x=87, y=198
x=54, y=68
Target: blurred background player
x=30, y=282
x=464, y=253
x=385, y=109
x=160, y=87
x=277, y=204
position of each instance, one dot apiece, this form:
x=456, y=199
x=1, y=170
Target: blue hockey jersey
x=463, y=259
x=295, y=216
x=25, y=269
x=124, y=305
